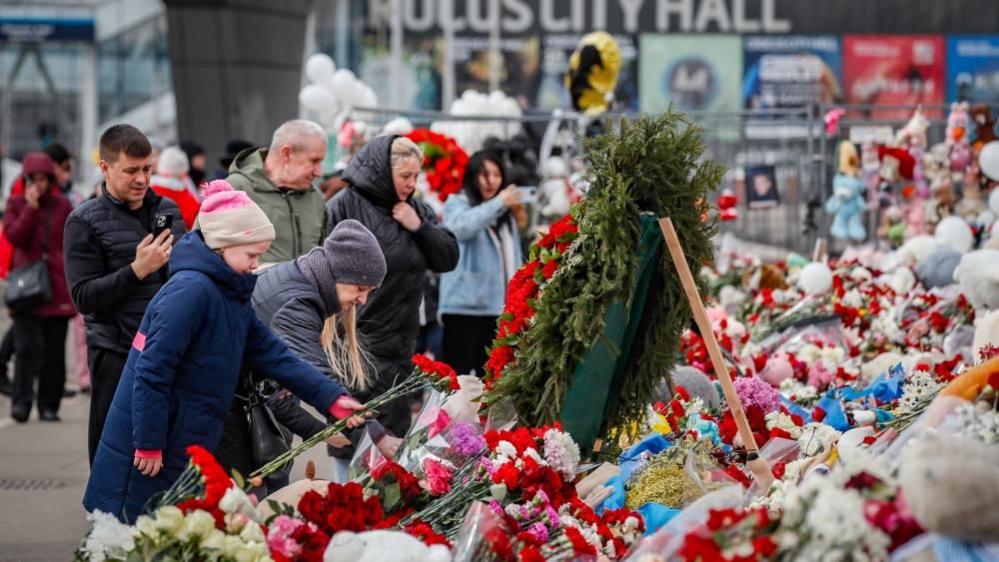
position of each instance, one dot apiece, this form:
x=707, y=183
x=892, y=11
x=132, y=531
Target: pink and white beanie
x=230, y=218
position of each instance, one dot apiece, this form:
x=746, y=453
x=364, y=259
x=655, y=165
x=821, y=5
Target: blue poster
x=781, y=71
x=973, y=68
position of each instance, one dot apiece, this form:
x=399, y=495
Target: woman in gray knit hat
x=311, y=304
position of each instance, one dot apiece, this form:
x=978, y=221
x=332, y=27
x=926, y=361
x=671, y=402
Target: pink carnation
x=754, y=391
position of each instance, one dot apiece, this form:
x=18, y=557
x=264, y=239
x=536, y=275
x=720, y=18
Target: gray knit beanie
x=354, y=255
x=349, y=255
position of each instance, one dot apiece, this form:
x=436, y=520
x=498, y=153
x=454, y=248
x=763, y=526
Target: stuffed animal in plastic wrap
x=848, y=198
x=382, y=546
x=556, y=189
x=936, y=170
x=985, y=126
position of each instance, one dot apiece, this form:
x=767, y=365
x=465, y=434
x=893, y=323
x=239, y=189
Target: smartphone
x=528, y=194
x=163, y=222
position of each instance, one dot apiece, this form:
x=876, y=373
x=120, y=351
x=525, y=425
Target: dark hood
x=192, y=254
x=370, y=172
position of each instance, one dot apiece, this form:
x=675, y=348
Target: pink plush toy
x=778, y=370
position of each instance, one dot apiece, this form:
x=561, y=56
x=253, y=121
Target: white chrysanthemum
x=561, y=452
x=832, y=519
x=809, y=353
x=917, y=389
x=109, y=538
x=816, y=438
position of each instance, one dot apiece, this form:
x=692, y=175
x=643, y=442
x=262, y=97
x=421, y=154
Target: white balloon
x=342, y=84
x=316, y=98
x=994, y=201
x=988, y=160
x=319, y=68
x=370, y=99
x=815, y=279
x=956, y=233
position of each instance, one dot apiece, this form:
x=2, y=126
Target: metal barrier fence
x=794, y=142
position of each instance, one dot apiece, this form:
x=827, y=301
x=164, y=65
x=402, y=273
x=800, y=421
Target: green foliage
x=652, y=165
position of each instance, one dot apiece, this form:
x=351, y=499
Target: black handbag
x=268, y=439
x=29, y=286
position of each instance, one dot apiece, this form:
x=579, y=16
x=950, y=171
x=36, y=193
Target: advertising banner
x=696, y=72
x=973, y=68
x=791, y=71
x=894, y=70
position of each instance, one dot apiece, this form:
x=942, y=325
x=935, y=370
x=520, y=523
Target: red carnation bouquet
x=444, y=161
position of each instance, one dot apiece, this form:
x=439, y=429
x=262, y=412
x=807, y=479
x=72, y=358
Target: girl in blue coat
x=182, y=371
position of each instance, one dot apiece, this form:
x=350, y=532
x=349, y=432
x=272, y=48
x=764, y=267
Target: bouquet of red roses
x=444, y=161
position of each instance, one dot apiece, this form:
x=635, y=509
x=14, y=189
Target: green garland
x=653, y=165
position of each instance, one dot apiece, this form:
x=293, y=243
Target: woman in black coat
x=311, y=305
x=381, y=180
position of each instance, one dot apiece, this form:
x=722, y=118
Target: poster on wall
x=899, y=70
x=784, y=71
x=696, y=72
x=519, y=68
x=421, y=81
x=558, y=47
x=973, y=68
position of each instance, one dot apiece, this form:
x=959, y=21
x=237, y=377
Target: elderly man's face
x=304, y=164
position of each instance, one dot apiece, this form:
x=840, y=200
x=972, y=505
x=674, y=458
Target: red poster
x=894, y=70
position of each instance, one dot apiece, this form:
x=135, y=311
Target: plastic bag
x=424, y=437
x=481, y=526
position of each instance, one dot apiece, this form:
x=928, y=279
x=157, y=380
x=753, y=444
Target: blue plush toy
x=847, y=201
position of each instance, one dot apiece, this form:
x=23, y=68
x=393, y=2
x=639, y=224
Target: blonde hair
x=403, y=149
x=348, y=361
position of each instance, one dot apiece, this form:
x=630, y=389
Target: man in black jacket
x=381, y=180
x=115, y=261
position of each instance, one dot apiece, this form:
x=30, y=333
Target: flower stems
x=414, y=382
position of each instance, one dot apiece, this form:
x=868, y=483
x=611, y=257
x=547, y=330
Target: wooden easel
x=757, y=464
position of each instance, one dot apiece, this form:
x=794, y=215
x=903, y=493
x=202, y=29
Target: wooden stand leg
x=757, y=464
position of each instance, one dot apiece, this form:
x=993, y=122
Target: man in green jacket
x=279, y=180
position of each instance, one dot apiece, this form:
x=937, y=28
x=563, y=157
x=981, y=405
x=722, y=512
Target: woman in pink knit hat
x=182, y=371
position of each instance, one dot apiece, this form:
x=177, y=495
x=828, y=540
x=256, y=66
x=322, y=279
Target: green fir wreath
x=651, y=167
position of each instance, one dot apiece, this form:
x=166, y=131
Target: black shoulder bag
x=29, y=286
x=267, y=438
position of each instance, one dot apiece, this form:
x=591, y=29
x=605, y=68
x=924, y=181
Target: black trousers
x=40, y=346
x=466, y=339
x=6, y=351
x=105, y=372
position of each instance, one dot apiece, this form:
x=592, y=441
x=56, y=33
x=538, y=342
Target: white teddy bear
x=382, y=546
x=978, y=274
x=556, y=189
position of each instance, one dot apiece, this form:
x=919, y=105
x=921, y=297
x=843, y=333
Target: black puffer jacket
x=390, y=321
x=100, y=239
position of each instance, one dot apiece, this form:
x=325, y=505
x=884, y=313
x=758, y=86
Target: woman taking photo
x=381, y=179
x=489, y=243
x=311, y=304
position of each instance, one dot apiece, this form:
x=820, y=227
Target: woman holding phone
x=472, y=295
x=34, y=222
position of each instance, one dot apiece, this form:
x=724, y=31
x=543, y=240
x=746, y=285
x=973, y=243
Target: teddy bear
x=556, y=189
x=382, y=546
x=847, y=201
x=985, y=126
x=978, y=275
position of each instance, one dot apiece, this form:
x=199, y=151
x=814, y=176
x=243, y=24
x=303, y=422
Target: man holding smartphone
x=116, y=260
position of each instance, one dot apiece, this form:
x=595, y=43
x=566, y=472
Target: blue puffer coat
x=181, y=375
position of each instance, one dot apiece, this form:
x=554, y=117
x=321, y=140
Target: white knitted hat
x=230, y=218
